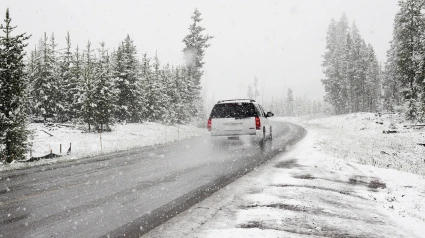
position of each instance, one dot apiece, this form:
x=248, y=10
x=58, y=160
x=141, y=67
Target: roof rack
x=250, y=100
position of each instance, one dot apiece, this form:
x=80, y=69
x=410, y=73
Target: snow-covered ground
x=359, y=138
x=48, y=139
x=317, y=189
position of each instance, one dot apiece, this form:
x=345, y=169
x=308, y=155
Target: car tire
x=263, y=138
x=271, y=134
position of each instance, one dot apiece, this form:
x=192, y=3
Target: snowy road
x=128, y=192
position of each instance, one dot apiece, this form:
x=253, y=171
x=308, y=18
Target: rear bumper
x=253, y=135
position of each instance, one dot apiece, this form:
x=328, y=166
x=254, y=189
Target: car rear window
x=230, y=110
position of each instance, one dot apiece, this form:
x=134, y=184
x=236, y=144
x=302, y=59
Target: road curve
x=126, y=193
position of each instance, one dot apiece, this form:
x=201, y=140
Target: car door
x=262, y=117
x=265, y=120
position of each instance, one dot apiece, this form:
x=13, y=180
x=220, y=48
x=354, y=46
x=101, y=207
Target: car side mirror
x=270, y=114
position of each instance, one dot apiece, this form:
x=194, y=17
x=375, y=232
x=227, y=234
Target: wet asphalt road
x=127, y=193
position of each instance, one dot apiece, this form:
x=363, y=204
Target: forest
x=94, y=86
x=356, y=82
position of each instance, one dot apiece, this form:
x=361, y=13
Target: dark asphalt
x=126, y=193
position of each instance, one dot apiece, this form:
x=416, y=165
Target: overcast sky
x=280, y=42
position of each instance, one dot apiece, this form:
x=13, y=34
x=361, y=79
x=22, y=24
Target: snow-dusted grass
x=359, y=138
x=48, y=139
x=315, y=191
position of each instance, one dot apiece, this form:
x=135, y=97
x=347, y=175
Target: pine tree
x=167, y=93
x=173, y=96
x=407, y=53
x=57, y=81
x=31, y=71
x=420, y=56
x=352, y=73
x=153, y=89
x=46, y=83
x=69, y=86
x=186, y=100
x=75, y=86
x=128, y=82
x=194, y=51
x=346, y=82
x=13, y=132
x=176, y=98
x=146, y=87
x=87, y=90
x=391, y=82
x=357, y=71
x=342, y=31
x=331, y=68
x=157, y=100
x=104, y=96
x=372, y=82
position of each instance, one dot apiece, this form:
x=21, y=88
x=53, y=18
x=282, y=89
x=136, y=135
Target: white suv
x=240, y=118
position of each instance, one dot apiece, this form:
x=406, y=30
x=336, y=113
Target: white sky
x=280, y=42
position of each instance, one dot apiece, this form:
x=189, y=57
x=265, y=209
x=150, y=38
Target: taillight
x=209, y=124
x=257, y=123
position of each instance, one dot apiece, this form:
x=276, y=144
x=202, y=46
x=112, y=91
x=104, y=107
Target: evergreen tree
x=194, y=51
x=408, y=53
x=57, y=81
x=87, y=96
x=372, y=82
x=13, y=132
x=154, y=91
x=146, y=87
x=75, y=87
x=46, y=82
x=186, y=100
x=352, y=73
x=128, y=82
x=391, y=84
x=69, y=85
x=104, y=96
x=167, y=93
x=31, y=72
x=357, y=72
x=347, y=79
x=331, y=68
x=176, y=97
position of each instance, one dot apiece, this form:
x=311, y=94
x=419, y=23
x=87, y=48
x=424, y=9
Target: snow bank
x=48, y=139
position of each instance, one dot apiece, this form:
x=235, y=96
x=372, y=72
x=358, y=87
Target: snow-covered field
x=359, y=138
x=317, y=189
x=48, y=139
